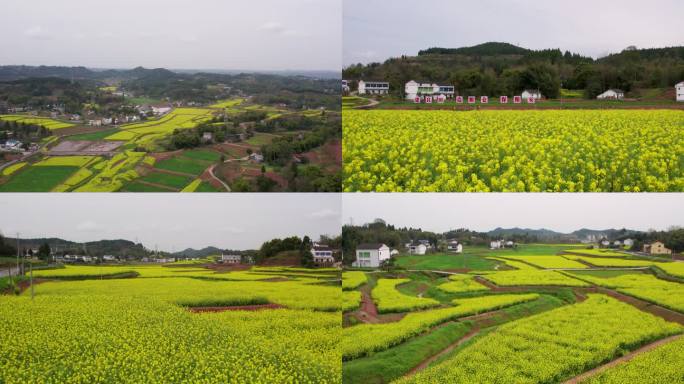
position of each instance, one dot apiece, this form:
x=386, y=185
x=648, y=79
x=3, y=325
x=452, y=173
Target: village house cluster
x=429, y=92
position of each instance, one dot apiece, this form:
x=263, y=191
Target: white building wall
x=680, y=91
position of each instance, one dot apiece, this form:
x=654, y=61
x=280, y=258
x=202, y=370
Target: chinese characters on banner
x=441, y=99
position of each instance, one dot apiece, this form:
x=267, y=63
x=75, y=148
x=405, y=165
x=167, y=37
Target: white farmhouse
x=531, y=93
x=414, y=89
x=371, y=255
x=161, y=110
x=612, y=94
x=496, y=244
x=417, y=248
x=322, y=254
x=454, y=246
x=345, y=86
x=628, y=243
x=373, y=87
x=231, y=259
x=679, y=90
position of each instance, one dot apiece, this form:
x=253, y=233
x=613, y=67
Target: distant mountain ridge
x=579, y=234
x=204, y=252
x=19, y=72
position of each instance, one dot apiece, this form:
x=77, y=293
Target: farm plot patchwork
x=145, y=133
x=547, y=262
x=659, y=366
x=350, y=300
x=189, y=162
x=389, y=299
x=514, y=264
x=38, y=179
x=597, y=252
x=360, y=340
x=612, y=262
x=44, y=122
x=462, y=283
x=114, y=173
x=532, y=278
x=643, y=286
x=176, y=182
x=553, y=346
x=353, y=280
x=425, y=151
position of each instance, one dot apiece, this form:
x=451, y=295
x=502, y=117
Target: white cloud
x=189, y=38
x=233, y=230
x=277, y=28
x=37, y=32
x=87, y=226
x=325, y=214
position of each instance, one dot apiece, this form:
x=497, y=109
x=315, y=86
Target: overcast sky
x=375, y=30
x=171, y=221
x=178, y=34
x=562, y=212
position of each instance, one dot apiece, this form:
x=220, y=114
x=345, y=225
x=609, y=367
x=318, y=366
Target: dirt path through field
x=581, y=292
x=625, y=358
x=213, y=176
x=368, y=312
x=645, y=306
x=425, y=363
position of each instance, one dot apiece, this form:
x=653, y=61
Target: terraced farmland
x=44, y=122
x=516, y=322
x=146, y=133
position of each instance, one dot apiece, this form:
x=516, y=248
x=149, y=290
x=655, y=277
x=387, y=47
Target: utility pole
x=31, y=278
x=17, y=253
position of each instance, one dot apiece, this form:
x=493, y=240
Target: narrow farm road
x=625, y=358
x=425, y=363
x=368, y=312
x=211, y=172
x=372, y=103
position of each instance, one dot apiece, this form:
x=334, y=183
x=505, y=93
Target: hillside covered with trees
x=505, y=69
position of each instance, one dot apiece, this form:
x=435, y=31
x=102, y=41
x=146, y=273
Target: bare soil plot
x=83, y=147
x=256, y=307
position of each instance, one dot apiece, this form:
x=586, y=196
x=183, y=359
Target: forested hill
x=118, y=247
x=486, y=49
x=500, y=68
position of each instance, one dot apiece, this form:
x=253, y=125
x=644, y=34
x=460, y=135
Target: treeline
x=318, y=131
x=6, y=249
x=22, y=131
x=302, y=246
x=502, y=69
x=673, y=239
x=293, y=244
x=38, y=93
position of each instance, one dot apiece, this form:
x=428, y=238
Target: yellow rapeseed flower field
x=138, y=330
x=525, y=151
